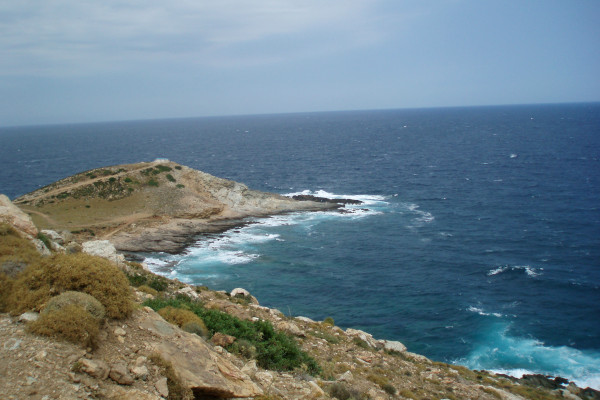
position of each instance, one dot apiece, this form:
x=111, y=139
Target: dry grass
x=78, y=272
x=72, y=323
x=180, y=317
x=89, y=303
x=15, y=249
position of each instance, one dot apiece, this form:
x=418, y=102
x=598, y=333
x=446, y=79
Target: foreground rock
x=12, y=215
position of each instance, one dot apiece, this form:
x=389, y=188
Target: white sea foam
x=480, y=311
x=530, y=271
x=500, y=352
x=420, y=217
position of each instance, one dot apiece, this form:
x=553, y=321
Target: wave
x=530, y=271
x=499, y=352
x=481, y=311
x=366, y=199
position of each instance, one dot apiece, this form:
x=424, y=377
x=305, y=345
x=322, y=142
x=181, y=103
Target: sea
x=477, y=242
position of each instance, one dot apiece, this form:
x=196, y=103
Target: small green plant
x=163, y=168
x=170, y=178
x=180, y=186
x=45, y=239
x=128, y=180
x=153, y=182
x=178, y=167
x=244, y=348
x=148, y=289
x=329, y=321
x=361, y=343
x=112, y=179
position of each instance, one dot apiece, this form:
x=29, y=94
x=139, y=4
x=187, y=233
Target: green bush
x=163, y=168
x=89, y=303
x=329, y=321
x=274, y=350
x=77, y=272
x=196, y=327
x=152, y=182
x=170, y=178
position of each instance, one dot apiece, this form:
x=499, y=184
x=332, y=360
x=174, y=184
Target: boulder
x=15, y=217
x=391, y=345
x=189, y=292
x=364, y=336
x=290, y=328
x=96, y=368
x=104, y=249
x=41, y=247
x=120, y=374
x=161, y=386
x=240, y=292
x=195, y=363
x=221, y=339
x=54, y=236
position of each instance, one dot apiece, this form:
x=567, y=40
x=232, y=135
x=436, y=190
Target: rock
x=120, y=393
x=12, y=344
x=120, y=374
x=161, y=386
x=305, y=319
x=188, y=291
x=195, y=363
x=391, y=345
x=264, y=378
x=54, y=236
x=140, y=372
x=29, y=316
x=250, y=368
x=41, y=247
x=568, y=395
x=20, y=221
x=104, y=249
x=240, y=292
x=346, y=377
x=119, y=331
x=364, y=336
x=96, y=368
x=290, y=328
x=316, y=389
x=73, y=247
x=229, y=308
x=221, y=339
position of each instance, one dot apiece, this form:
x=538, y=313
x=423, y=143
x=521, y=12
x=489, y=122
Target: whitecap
x=530, y=271
x=513, y=155
x=481, y=311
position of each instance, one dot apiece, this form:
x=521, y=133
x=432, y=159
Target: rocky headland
x=171, y=340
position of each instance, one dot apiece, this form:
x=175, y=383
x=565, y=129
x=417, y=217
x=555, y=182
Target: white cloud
x=87, y=37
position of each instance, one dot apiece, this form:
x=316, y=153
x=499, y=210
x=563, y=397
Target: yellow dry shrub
x=88, y=302
x=179, y=316
x=72, y=323
x=14, y=248
x=79, y=272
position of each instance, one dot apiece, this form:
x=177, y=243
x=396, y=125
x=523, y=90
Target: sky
x=69, y=61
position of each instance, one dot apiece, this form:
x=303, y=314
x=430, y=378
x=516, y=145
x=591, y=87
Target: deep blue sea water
x=478, y=242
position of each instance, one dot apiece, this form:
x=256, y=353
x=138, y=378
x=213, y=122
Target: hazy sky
x=82, y=60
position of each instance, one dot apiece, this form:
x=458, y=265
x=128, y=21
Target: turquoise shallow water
x=478, y=242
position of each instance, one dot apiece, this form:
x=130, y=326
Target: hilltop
x=151, y=206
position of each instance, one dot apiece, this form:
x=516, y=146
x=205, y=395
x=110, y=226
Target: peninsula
x=153, y=206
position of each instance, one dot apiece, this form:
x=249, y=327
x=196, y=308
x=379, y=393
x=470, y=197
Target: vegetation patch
x=77, y=272
x=72, y=323
x=170, y=178
x=89, y=303
x=152, y=182
x=274, y=350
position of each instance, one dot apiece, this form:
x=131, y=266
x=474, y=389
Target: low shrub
x=72, y=323
x=170, y=178
x=78, y=272
x=14, y=248
x=148, y=289
x=342, y=392
x=179, y=316
x=274, y=350
x=196, y=327
x=89, y=303
x=244, y=348
x=152, y=182
x=329, y=321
